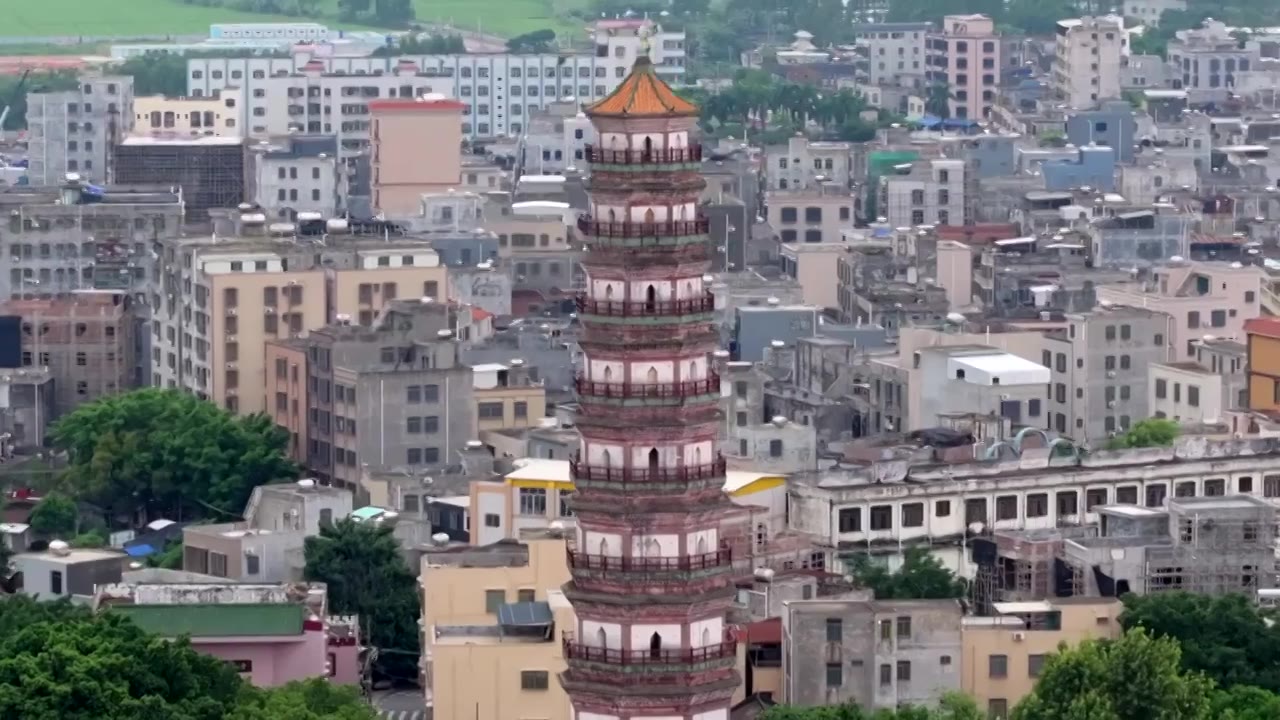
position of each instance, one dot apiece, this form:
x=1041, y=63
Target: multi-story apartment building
x=405, y=168
x=86, y=340
x=218, y=299
x=507, y=396
x=933, y=192
x=804, y=164
x=965, y=57
x=298, y=174
x=1149, y=11
x=1088, y=55
x=186, y=116
x=392, y=396
x=1100, y=363
x=895, y=52
x=872, y=653
x=1208, y=59
x=1264, y=363
x=330, y=94
x=810, y=216
x=555, y=139
x=75, y=131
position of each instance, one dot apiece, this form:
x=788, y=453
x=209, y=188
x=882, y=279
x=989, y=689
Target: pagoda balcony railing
x=705, y=561
x=657, y=656
x=657, y=156
x=643, y=309
x=643, y=390
x=588, y=225
x=607, y=473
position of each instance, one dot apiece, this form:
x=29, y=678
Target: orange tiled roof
x=643, y=94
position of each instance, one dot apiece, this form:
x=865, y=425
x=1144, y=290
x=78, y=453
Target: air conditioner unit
x=269, y=310
x=232, y=312
x=232, y=366
x=1019, y=636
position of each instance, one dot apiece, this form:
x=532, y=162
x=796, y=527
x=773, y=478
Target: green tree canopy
x=1152, y=432
x=952, y=706
x=1223, y=636
x=165, y=452
x=55, y=517
x=366, y=576
x=314, y=699
x=1243, y=702
x=1137, y=677
x=538, y=41
x=921, y=577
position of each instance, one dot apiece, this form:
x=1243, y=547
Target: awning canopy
x=525, y=614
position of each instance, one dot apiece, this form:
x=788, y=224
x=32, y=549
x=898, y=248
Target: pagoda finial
x=645, y=34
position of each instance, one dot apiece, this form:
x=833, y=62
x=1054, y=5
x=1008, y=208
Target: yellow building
x=507, y=397
x=492, y=619
x=1003, y=654
x=533, y=496
x=188, y=116
x=1264, y=363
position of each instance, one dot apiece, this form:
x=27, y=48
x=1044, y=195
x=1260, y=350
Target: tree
x=165, y=452
x=314, y=699
x=157, y=73
x=1245, y=703
x=1152, y=432
x=55, y=517
x=937, y=101
x=1137, y=677
x=952, y=706
x=538, y=41
x=1223, y=636
x=16, y=95
x=366, y=576
x=921, y=577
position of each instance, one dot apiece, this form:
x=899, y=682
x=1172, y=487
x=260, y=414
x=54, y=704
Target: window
x=1271, y=486
x=534, y=680
x=492, y=520
x=1193, y=395
x=998, y=666
x=886, y=674
x=997, y=709
x=904, y=671
x=1127, y=495
x=490, y=410
x=882, y=517
x=775, y=448
x=835, y=630
x=850, y=519
x=1245, y=484
x=904, y=627
x=1162, y=388
x=942, y=508
x=494, y=599
x=1035, y=664
x=1215, y=488
x=55, y=582
x=1185, y=489
x=1007, y=507
x=252, y=564
x=913, y=514
x=835, y=674
x=1067, y=504
x=533, y=501
x=1037, y=505
x=1094, y=497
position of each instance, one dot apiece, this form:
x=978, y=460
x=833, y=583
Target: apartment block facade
x=75, y=131
x=965, y=57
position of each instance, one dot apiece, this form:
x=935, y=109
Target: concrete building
x=75, y=131
x=507, y=396
x=318, y=93
x=895, y=52
x=933, y=192
x=298, y=174
x=209, y=169
x=1092, y=167
x=1005, y=653
x=86, y=341
x=1149, y=11
x=1263, y=348
x=555, y=139
x=65, y=572
x=1190, y=393
x=1202, y=298
x=810, y=216
x=814, y=267
x=245, y=286
x=391, y=396
x=406, y=166
x=965, y=56
x=187, y=116
x=492, y=624
x=958, y=379
x=871, y=653
x=806, y=165
x=1209, y=58
x=267, y=545
x=1100, y=363
x=1088, y=54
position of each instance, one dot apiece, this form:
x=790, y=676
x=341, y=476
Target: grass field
x=135, y=18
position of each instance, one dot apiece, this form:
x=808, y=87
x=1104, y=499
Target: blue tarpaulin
x=139, y=550
x=930, y=121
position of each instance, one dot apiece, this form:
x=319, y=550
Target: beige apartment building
x=417, y=149
x=965, y=57
x=225, y=297
x=1088, y=53
x=1004, y=654
x=816, y=268
x=188, y=116
x=477, y=662
x=507, y=397
x=810, y=216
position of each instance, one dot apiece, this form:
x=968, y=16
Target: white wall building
x=298, y=175
x=933, y=193
x=1088, y=56
x=803, y=164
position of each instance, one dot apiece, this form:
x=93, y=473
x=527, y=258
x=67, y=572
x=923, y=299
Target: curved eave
x=666, y=114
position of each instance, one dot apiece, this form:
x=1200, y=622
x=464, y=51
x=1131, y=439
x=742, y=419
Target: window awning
x=525, y=614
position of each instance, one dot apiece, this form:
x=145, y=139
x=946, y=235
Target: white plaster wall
x=700, y=452
x=640, y=635
x=490, y=503
x=688, y=288
x=705, y=633
x=603, y=454
x=663, y=372
x=655, y=545
x=708, y=536
x=589, y=634
x=604, y=370
x=594, y=716
x=667, y=455
x=639, y=291
x=720, y=714
x=598, y=543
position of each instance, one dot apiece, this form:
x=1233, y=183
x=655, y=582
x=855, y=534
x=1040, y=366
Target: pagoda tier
x=651, y=576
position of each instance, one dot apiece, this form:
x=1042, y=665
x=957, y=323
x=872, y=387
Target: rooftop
x=643, y=94
x=217, y=620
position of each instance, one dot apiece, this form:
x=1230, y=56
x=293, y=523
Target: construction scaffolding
x=210, y=170
x=1023, y=566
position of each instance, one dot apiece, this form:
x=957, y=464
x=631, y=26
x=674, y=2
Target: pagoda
x=651, y=575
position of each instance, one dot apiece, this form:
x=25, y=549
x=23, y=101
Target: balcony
x=656, y=657
x=645, y=159
x=689, y=563
x=608, y=474
x=644, y=309
x=629, y=234
x=593, y=390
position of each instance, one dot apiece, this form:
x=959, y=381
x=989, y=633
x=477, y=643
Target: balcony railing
x=657, y=308
x=656, y=656
x=606, y=473
x=640, y=391
x=660, y=156
x=628, y=229
x=706, y=561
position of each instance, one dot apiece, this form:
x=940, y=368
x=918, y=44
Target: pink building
x=965, y=57
x=417, y=149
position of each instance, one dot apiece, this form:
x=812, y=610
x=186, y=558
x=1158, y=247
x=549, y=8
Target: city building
x=871, y=653
x=932, y=192
x=85, y=339
x=186, y=116
x=965, y=57
x=804, y=164
x=1209, y=56
x=810, y=216
x=895, y=52
x=651, y=576
x=65, y=572
x=555, y=139
x=1004, y=653
x=493, y=617
x=507, y=396
x=985, y=381
x=329, y=93
x=405, y=164
x=1088, y=55
x=76, y=131
x=298, y=174
x=1263, y=348
x=1150, y=11
x=210, y=169
x=252, y=282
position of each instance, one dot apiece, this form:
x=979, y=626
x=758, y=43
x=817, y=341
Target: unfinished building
x=209, y=170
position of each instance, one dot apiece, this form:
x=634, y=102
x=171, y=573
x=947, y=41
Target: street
x=401, y=705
